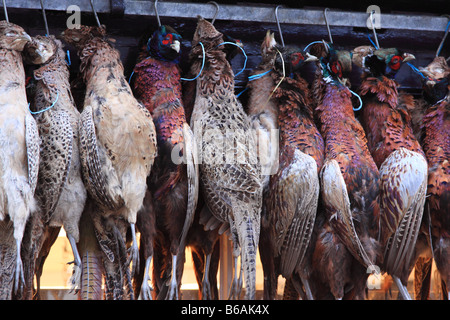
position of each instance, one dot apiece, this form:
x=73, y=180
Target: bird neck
x=383, y=88
x=97, y=54
x=12, y=74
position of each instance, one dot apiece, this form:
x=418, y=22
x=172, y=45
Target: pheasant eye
x=336, y=68
x=395, y=62
x=168, y=39
x=296, y=58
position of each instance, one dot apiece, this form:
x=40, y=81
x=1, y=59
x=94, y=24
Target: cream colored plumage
x=117, y=137
x=19, y=159
x=229, y=171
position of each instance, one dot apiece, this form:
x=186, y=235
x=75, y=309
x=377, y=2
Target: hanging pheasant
x=19, y=160
x=117, y=149
x=290, y=200
x=173, y=183
x=435, y=139
x=60, y=190
x=346, y=230
x=399, y=156
x=229, y=173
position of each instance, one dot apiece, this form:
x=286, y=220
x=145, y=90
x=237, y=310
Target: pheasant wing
x=99, y=175
x=55, y=157
x=402, y=197
x=294, y=199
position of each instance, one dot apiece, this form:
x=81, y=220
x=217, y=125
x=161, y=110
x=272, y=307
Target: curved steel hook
x=328, y=26
x=373, y=29
x=438, y=51
x=45, y=18
x=95, y=14
x=217, y=11
x=278, y=24
x=157, y=14
x=6, y=11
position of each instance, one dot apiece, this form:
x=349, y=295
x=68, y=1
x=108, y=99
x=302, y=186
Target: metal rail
x=263, y=14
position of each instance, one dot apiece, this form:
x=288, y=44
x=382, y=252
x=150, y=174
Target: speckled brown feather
x=387, y=120
x=233, y=191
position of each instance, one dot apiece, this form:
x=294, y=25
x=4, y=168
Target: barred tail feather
x=247, y=228
x=91, y=277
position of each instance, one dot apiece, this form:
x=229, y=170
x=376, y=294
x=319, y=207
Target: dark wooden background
x=129, y=30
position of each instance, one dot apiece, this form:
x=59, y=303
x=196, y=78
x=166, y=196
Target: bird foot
x=133, y=257
x=206, y=290
x=19, y=276
x=146, y=291
x=146, y=288
x=173, y=286
x=236, y=288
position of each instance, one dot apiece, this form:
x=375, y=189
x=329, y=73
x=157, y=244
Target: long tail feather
x=91, y=277
x=247, y=225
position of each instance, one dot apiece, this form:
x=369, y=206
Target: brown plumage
x=203, y=237
x=117, y=149
x=346, y=229
x=60, y=190
x=435, y=138
x=19, y=160
x=291, y=197
x=229, y=173
x=399, y=156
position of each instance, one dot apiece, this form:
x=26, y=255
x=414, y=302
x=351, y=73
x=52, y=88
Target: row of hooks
x=325, y=11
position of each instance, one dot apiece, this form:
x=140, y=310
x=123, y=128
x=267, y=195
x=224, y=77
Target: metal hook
x=45, y=18
x=217, y=11
x=328, y=26
x=6, y=11
x=278, y=24
x=95, y=14
x=157, y=14
x=438, y=51
x=373, y=29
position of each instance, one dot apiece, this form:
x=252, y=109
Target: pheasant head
x=268, y=50
x=336, y=64
x=79, y=36
x=436, y=84
x=207, y=34
x=385, y=62
x=41, y=49
x=165, y=44
x=293, y=58
x=12, y=36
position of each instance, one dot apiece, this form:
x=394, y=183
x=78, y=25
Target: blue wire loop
x=360, y=101
x=201, y=69
x=243, y=52
x=48, y=108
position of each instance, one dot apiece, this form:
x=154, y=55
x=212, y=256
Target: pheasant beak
x=408, y=57
x=25, y=37
x=176, y=46
x=310, y=57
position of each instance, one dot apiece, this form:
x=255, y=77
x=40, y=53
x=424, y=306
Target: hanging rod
x=262, y=14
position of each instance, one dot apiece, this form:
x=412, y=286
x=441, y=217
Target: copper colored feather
x=229, y=173
x=346, y=234
x=403, y=169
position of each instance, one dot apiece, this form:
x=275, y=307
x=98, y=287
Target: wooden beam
x=263, y=14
